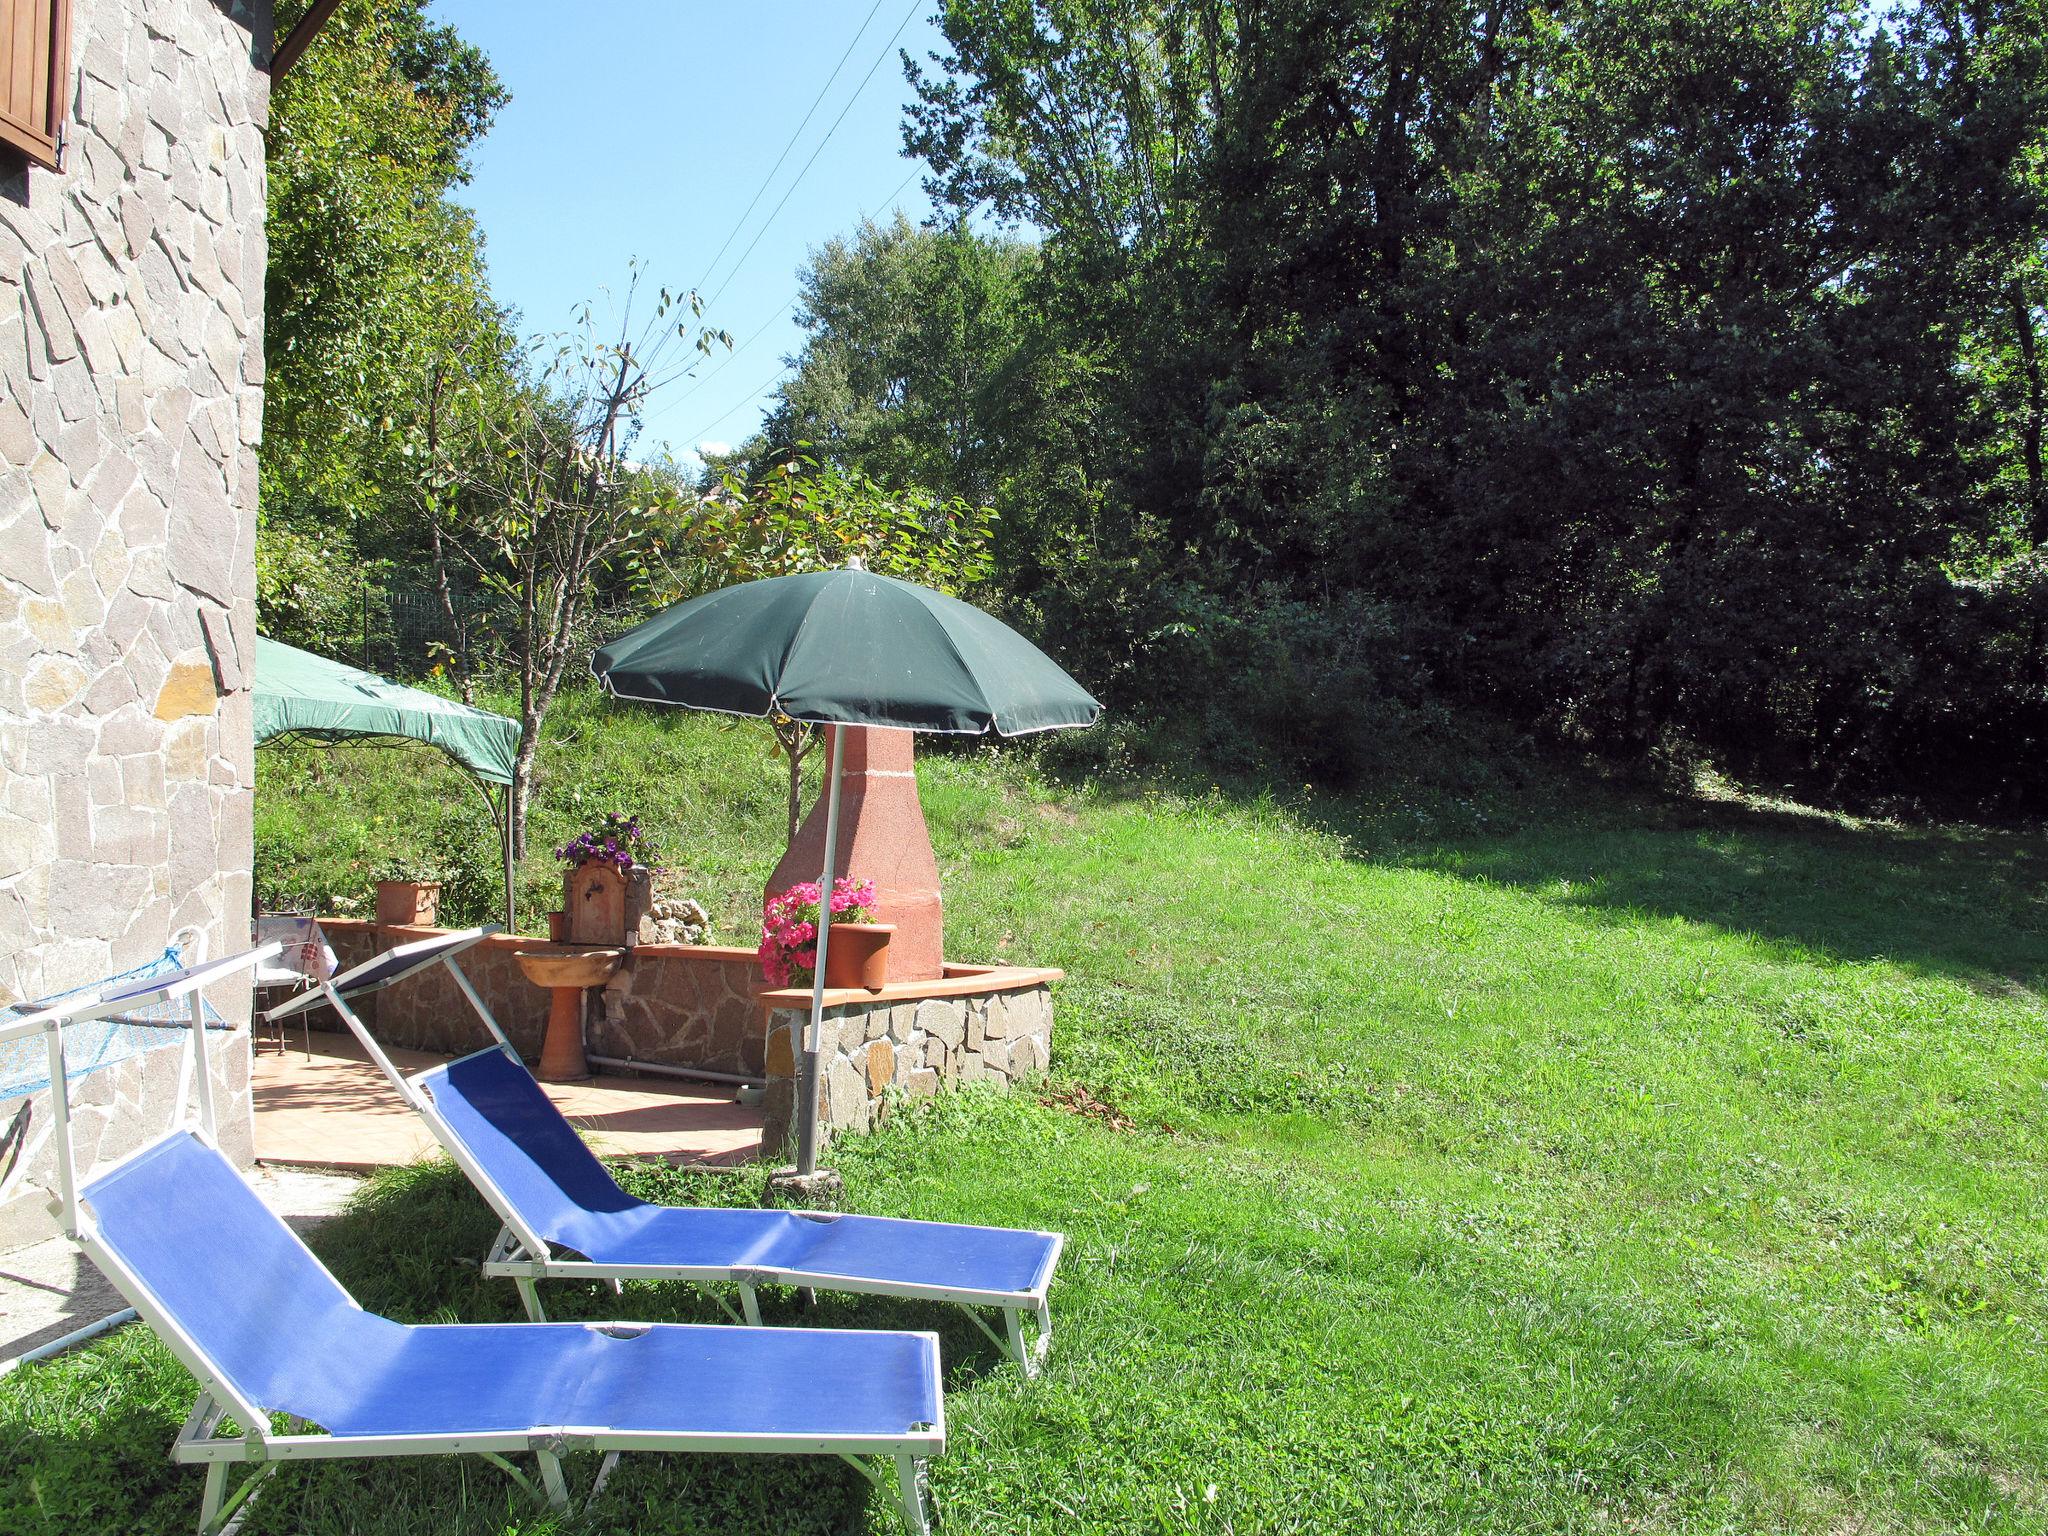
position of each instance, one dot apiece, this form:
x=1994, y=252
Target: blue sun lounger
x=565, y=1217
x=185, y=1240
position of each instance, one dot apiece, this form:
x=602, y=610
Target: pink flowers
x=789, y=926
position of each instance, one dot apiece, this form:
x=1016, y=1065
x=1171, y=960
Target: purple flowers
x=617, y=840
x=789, y=926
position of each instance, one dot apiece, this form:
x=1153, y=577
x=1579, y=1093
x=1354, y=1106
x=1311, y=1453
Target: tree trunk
x=547, y=640
x=529, y=716
x=1631, y=691
x=797, y=740
x=522, y=779
x=458, y=636
x=566, y=521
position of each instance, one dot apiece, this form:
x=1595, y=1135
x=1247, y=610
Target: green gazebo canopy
x=303, y=697
x=308, y=697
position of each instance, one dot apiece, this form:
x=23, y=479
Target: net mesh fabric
x=25, y=1064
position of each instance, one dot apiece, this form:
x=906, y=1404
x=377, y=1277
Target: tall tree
x=370, y=270
x=1659, y=364
x=928, y=362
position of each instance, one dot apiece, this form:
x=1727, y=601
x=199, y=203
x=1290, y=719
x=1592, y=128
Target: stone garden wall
x=683, y=1005
x=700, y=1005
x=428, y=1012
x=869, y=1050
x=690, y=1005
x=131, y=402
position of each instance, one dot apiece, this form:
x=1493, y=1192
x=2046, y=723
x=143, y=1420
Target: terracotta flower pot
x=858, y=955
x=408, y=903
x=558, y=927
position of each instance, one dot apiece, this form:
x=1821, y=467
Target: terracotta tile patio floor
x=335, y=1110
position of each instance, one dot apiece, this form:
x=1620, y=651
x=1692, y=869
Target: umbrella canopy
x=846, y=647
x=839, y=648
x=302, y=695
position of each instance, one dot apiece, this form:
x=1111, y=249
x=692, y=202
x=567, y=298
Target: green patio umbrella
x=837, y=648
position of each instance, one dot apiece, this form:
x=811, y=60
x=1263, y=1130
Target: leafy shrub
x=1325, y=691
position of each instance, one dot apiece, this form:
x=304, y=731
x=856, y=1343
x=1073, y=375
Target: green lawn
x=1550, y=1160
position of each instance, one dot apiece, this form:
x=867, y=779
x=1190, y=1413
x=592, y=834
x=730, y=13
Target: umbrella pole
x=807, y=1118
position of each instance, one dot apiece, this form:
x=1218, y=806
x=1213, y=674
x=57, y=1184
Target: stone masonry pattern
x=670, y=1004
x=427, y=1012
x=696, y=1013
x=131, y=402
x=872, y=1052
x=116, y=1110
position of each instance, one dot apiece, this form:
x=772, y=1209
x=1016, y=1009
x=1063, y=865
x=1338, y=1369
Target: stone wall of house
x=114, y=1111
x=870, y=1050
x=131, y=401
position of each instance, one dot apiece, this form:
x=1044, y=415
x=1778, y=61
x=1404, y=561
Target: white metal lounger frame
x=523, y=1255
x=511, y=1256
x=256, y=1444
x=87, y=1006
x=259, y=1446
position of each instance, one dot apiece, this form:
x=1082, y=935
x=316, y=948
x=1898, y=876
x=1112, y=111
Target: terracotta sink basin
x=566, y=965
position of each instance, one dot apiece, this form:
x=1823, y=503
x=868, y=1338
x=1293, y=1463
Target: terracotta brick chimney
x=882, y=838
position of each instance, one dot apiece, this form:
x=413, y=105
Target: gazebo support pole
x=505, y=833
x=810, y=1090
x=500, y=807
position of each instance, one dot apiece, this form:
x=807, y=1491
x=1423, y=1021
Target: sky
x=644, y=129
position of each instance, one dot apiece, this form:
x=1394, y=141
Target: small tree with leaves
x=555, y=516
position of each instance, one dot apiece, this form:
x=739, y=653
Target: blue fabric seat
x=515, y=1133
x=566, y=1218
x=186, y=1238
x=539, y=1172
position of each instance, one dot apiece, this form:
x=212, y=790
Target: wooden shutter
x=35, y=73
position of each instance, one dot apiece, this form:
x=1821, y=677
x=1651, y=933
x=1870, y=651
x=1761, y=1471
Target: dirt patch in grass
x=1077, y=1100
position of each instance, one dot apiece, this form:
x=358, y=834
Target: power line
x=791, y=189
x=726, y=361
x=780, y=310
x=816, y=102
x=697, y=437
